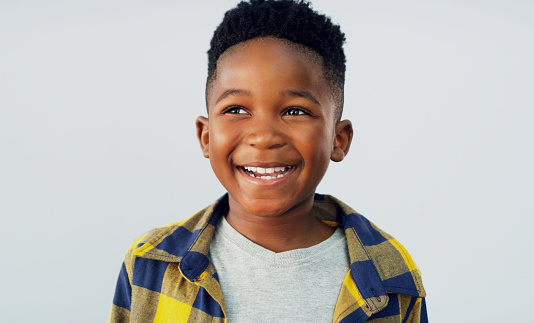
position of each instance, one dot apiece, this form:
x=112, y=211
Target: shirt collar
x=379, y=263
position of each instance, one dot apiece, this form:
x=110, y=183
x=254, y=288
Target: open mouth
x=267, y=173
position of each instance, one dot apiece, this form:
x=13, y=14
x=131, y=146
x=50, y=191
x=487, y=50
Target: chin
x=268, y=207
x=264, y=209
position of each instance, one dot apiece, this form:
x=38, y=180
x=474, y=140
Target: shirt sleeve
x=424, y=316
x=417, y=312
x=120, y=309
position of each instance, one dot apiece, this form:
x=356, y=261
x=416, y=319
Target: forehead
x=269, y=62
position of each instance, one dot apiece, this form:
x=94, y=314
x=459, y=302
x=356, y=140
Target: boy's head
x=274, y=105
x=312, y=33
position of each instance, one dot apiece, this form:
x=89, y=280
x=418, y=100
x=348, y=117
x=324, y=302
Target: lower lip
x=266, y=182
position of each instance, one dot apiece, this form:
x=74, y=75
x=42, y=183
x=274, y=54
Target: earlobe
x=342, y=140
x=203, y=135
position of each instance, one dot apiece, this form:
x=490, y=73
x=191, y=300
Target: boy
x=271, y=250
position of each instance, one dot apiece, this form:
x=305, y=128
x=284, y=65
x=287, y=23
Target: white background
x=98, y=101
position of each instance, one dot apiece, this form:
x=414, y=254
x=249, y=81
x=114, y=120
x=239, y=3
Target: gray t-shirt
x=259, y=285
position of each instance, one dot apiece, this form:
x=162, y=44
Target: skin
x=270, y=106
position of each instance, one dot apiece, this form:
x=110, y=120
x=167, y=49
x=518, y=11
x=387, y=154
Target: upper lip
x=266, y=165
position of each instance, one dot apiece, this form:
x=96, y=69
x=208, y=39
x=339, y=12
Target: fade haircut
x=290, y=20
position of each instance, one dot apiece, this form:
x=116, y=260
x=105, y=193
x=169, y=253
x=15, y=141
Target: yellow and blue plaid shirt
x=167, y=276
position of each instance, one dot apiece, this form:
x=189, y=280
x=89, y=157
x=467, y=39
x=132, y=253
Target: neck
x=297, y=228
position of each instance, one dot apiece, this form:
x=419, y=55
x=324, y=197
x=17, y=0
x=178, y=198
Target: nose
x=265, y=134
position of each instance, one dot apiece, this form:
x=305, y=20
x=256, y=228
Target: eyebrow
x=234, y=92
x=300, y=94
x=290, y=93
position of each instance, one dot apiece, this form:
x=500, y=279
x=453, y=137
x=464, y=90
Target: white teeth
x=281, y=172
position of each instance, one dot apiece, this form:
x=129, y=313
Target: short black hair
x=295, y=21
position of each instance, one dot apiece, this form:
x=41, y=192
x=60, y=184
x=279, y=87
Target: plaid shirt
x=167, y=275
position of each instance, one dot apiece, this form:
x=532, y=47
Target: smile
x=267, y=173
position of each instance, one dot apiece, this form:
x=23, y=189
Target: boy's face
x=271, y=130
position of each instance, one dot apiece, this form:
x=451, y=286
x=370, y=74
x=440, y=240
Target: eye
x=235, y=110
x=296, y=112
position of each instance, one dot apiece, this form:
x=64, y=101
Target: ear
x=342, y=140
x=203, y=135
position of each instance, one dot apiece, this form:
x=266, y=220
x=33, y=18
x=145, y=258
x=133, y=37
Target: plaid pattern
x=167, y=276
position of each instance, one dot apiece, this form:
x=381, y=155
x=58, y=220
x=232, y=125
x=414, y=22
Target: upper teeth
x=262, y=170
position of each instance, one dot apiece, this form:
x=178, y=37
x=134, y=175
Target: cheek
x=224, y=139
x=220, y=149
x=316, y=148
x=220, y=139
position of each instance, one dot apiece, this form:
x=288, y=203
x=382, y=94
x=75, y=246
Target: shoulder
x=333, y=210
x=369, y=245
x=170, y=242
x=177, y=230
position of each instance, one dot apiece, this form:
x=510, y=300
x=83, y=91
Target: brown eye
x=235, y=110
x=295, y=112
